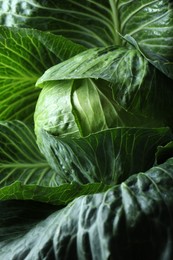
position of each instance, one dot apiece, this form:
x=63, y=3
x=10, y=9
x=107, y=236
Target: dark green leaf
x=130, y=221
x=18, y=217
x=164, y=153
x=100, y=23
x=162, y=63
x=108, y=156
x=97, y=22
x=150, y=23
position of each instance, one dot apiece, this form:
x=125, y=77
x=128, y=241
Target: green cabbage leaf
x=24, y=55
x=116, y=224
x=26, y=175
x=133, y=91
x=86, y=129
x=94, y=23
x=108, y=157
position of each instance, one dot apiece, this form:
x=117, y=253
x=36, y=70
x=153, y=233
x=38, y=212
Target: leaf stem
x=115, y=19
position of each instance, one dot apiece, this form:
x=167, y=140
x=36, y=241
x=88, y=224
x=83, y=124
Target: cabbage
x=86, y=143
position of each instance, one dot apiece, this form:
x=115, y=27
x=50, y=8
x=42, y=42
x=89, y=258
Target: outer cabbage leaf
x=90, y=23
x=24, y=55
x=25, y=174
x=119, y=65
x=101, y=23
x=97, y=22
x=18, y=217
x=150, y=23
x=164, y=64
x=118, y=224
x=108, y=156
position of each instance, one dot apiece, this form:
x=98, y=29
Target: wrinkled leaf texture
x=117, y=224
x=134, y=215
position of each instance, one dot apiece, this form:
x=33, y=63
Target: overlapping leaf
x=61, y=109
x=118, y=224
x=108, y=156
x=150, y=23
x=25, y=174
x=134, y=215
x=98, y=23
x=120, y=65
x=140, y=93
x=161, y=62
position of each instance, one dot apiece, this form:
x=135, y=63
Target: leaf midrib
x=115, y=21
x=24, y=165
